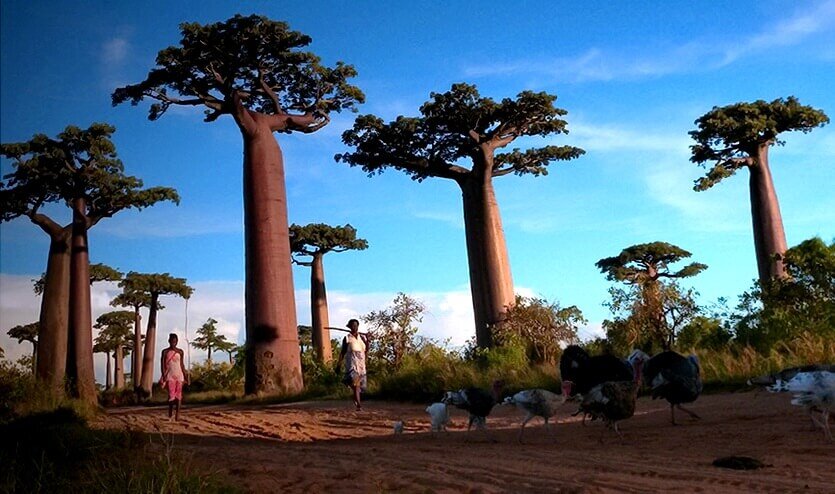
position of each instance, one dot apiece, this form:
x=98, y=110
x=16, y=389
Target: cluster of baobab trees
x=257, y=71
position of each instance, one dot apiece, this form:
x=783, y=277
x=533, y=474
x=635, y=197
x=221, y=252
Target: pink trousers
x=175, y=389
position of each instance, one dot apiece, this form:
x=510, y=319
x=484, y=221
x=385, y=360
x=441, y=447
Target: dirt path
x=328, y=447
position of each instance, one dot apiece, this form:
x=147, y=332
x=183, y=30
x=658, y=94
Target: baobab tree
x=643, y=266
x=115, y=336
x=314, y=241
x=136, y=301
x=153, y=286
x=81, y=169
x=461, y=124
x=209, y=339
x=27, y=332
x=255, y=69
x=739, y=136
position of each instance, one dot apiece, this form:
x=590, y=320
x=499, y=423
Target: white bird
x=536, y=403
x=813, y=390
x=439, y=414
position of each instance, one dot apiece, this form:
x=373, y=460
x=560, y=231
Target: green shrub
x=214, y=376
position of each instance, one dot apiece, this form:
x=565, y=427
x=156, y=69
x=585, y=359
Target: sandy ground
x=329, y=447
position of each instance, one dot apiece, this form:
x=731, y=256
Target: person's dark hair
x=173, y=336
x=353, y=321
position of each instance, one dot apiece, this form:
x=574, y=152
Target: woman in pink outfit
x=173, y=375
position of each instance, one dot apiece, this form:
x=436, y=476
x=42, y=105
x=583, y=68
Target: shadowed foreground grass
x=56, y=452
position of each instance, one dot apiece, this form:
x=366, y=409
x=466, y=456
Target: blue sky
x=633, y=77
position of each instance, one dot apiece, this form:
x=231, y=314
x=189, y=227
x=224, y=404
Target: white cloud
x=610, y=138
x=698, y=55
x=115, y=51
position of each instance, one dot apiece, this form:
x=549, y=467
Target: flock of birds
x=606, y=388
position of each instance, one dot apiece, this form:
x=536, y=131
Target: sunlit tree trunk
x=769, y=236
x=136, y=357
x=81, y=323
x=119, y=368
x=54, y=316
x=491, y=282
x=272, y=345
x=147, y=379
x=319, y=310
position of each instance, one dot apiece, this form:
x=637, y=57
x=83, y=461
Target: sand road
x=329, y=447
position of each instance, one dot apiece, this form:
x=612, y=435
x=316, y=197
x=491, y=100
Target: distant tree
x=27, y=332
x=153, y=286
x=115, y=336
x=656, y=306
x=802, y=302
x=393, y=331
x=255, y=70
x=739, y=136
x=135, y=300
x=543, y=327
x=460, y=124
x=81, y=169
x=314, y=241
x=230, y=348
x=209, y=339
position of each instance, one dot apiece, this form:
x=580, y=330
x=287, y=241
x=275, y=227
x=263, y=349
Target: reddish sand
x=328, y=447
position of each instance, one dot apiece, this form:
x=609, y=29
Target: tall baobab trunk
x=491, y=282
x=54, y=317
x=81, y=322
x=136, y=357
x=147, y=379
x=119, y=368
x=769, y=236
x=319, y=310
x=108, y=380
x=272, y=345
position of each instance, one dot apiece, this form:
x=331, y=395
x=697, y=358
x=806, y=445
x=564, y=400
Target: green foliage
x=79, y=164
x=115, y=330
x=215, y=376
x=543, y=328
x=729, y=136
x=155, y=284
x=133, y=299
x=252, y=58
x=25, y=332
x=782, y=309
x=704, y=332
x=393, y=332
x=208, y=338
x=319, y=238
x=643, y=263
x=103, y=272
x=56, y=451
x=454, y=125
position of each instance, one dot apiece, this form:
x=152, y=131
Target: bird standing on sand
x=672, y=376
x=536, y=403
x=478, y=402
x=580, y=371
x=815, y=391
x=613, y=401
x=439, y=416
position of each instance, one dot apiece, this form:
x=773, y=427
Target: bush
x=214, y=376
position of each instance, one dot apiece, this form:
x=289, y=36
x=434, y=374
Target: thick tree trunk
x=108, y=379
x=319, y=311
x=769, y=236
x=136, y=357
x=81, y=322
x=54, y=318
x=147, y=379
x=491, y=282
x=119, y=368
x=272, y=359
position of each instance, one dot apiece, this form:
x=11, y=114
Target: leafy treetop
x=98, y=272
x=319, y=238
x=248, y=60
x=644, y=263
x=730, y=136
x=208, y=337
x=79, y=164
x=134, y=299
x=115, y=329
x=457, y=124
x=156, y=284
x=25, y=332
